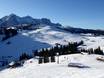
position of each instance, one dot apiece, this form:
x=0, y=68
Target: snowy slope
x=54, y=70
x=93, y=42
x=26, y=41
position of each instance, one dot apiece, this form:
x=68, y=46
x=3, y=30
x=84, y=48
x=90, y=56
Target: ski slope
x=54, y=70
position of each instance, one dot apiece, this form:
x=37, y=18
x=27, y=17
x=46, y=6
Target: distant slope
x=95, y=32
x=28, y=40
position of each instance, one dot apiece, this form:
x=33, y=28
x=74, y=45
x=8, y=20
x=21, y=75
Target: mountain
x=48, y=35
x=81, y=30
x=14, y=20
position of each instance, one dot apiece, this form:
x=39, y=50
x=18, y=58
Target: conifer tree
x=40, y=60
x=98, y=51
x=52, y=58
x=46, y=59
x=24, y=56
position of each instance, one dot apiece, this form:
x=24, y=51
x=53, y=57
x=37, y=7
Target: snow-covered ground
x=26, y=41
x=54, y=70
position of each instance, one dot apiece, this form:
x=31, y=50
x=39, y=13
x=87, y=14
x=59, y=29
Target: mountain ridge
x=14, y=20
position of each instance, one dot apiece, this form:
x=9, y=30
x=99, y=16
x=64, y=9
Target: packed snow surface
x=62, y=70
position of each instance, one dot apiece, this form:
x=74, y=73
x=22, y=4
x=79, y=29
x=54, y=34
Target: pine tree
x=98, y=51
x=91, y=51
x=46, y=59
x=52, y=58
x=40, y=60
x=35, y=53
x=24, y=56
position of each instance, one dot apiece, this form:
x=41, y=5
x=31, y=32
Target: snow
x=45, y=37
x=94, y=42
x=14, y=20
x=54, y=70
x=26, y=41
x=70, y=66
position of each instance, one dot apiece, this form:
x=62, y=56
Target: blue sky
x=77, y=13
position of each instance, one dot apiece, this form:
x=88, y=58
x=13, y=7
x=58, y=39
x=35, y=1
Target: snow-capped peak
x=14, y=20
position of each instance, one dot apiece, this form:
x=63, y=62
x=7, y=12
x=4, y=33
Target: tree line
x=93, y=51
x=48, y=54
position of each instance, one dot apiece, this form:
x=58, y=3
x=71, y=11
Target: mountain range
x=14, y=20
